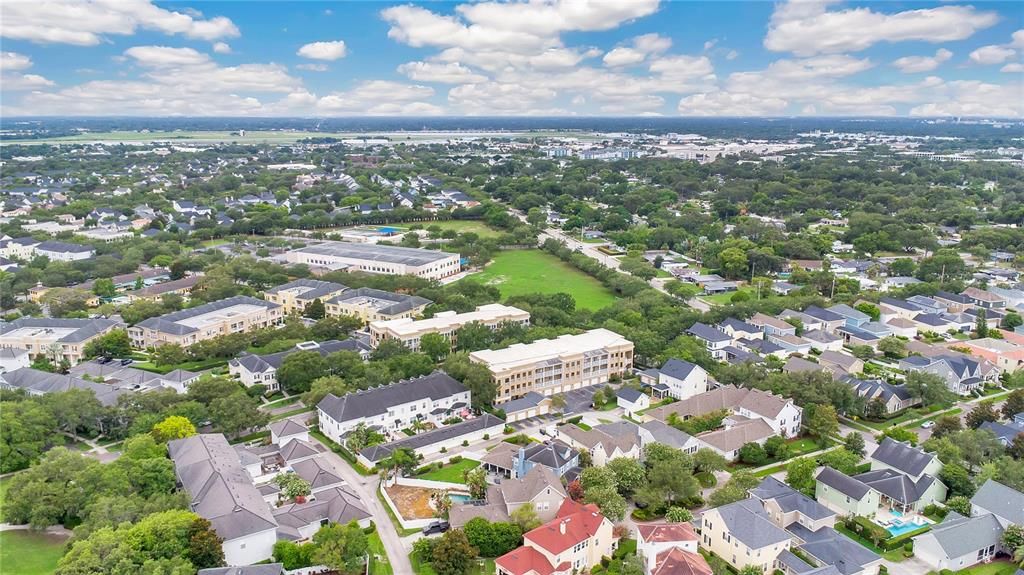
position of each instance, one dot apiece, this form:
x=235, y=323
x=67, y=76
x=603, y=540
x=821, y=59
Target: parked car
x=436, y=527
x=928, y=424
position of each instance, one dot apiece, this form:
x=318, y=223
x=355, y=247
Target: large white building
x=58, y=339
x=188, y=326
x=552, y=366
x=446, y=323
x=377, y=259
x=431, y=398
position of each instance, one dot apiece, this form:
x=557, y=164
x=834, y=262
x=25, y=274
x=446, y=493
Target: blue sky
x=545, y=57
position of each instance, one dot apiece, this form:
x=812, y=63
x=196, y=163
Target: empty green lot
x=28, y=553
x=517, y=272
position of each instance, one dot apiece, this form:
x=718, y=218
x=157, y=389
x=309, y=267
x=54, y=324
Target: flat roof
x=377, y=253
x=547, y=349
x=221, y=315
x=48, y=333
x=484, y=313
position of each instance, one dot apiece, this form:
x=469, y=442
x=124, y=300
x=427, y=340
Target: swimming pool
x=458, y=497
x=899, y=527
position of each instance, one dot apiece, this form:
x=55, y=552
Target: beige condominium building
x=377, y=259
x=552, y=366
x=58, y=339
x=186, y=327
x=446, y=323
x=295, y=296
x=370, y=304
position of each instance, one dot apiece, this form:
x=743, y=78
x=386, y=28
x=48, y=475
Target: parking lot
x=576, y=401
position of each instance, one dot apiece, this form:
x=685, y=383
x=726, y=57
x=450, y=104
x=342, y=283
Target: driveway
x=909, y=566
x=366, y=487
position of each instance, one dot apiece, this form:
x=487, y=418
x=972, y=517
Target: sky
x=486, y=58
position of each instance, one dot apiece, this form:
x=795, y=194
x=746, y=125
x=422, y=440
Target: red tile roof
x=666, y=532
x=574, y=523
x=675, y=561
x=528, y=560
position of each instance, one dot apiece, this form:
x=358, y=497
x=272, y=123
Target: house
x=855, y=336
x=893, y=397
x=902, y=327
x=962, y=374
x=299, y=521
x=872, y=491
x=532, y=404
x=430, y=442
x=12, y=358
x=631, y=400
x=790, y=344
x=604, y=442
x=409, y=332
x=254, y=369
x=655, y=431
x=264, y=569
x=540, y=487
x=739, y=329
x=735, y=433
x=1006, y=433
x=927, y=304
x=821, y=340
x=784, y=288
x=676, y=378
x=573, y=542
x=712, y=338
x=62, y=340
x=800, y=365
x=911, y=461
x=64, y=252
x=828, y=320
x=1006, y=503
x=898, y=282
x=1007, y=356
x=670, y=549
x=853, y=317
x=207, y=321
x=979, y=297
x=433, y=398
x=370, y=304
x=930, y=322
x=742, y=534
x=840, y=362
x=113, y=374
x=781, y=414
x=221, y=491
x=516, y=461
x=771, y=325
x=954, y=302
x=286, y=430
x=182, y=287
x=959, y=542
x=36, y=382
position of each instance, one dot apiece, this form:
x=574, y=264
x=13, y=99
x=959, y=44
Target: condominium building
x=446, y=323
x=552, y=366
x=186, y=327
x=370, y=304
x=58, y=339
x=295, y=296
x=378, y=259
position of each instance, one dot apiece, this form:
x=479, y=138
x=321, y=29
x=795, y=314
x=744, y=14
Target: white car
x=928, y=424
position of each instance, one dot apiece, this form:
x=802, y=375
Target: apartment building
x=188, y=326
x=294, y=296
x=378, y=259
x=370, y=305
x=552, y=366
x=446, y=323
x=58, y=339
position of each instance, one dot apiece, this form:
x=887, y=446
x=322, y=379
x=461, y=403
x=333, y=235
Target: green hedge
x=897, y=542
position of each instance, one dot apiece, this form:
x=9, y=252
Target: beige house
x=604, y=442
x=573, y=542
x=552, y=366
x=295, y=296
x=60, y=340
x=188, y=326
x=742, y=534
x=371, y=305
x=540, y=487
x=446, y=323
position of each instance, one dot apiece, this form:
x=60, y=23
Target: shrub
x=465, y=443
x=706, y=479
x=444, y=450
x=508, y=430
x=487, y=436
x=371, y=528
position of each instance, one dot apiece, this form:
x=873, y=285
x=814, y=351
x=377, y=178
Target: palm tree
x=558, y=404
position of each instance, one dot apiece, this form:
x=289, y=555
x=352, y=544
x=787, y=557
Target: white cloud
x=499, y=98
x=85, y=23
x=974, y=98
x=222, y=48
x=1017, y=40
x=807, y=27
x=640, y=49
x=159, y=56
x=730, y=104
x=12, y=61
x=324, y=50
x=732, y=55
x=448, y=73
x=380, y=98
x=916, y=64
x=313, y=67
x=1013, y=67
x=12, y=64
x=989, y=55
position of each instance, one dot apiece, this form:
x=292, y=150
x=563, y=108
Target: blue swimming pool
x=899, y=527
x=458, y=497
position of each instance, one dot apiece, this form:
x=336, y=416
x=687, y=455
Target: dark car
x=126, y=361
x=436, y=527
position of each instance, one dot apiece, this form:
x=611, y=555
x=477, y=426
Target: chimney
x=561, y=527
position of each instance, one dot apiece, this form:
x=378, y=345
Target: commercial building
x=295, y=296
x=377, y=259
x=61, y=340
x=552, y=366
x=446, y=323
x=370, y=305
x=186, y=327
x=64, y=252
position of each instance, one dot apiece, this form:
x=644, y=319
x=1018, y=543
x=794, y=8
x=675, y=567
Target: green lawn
x=462, y=226
x=28, y=553
x=214, y=243
x=5, y=483
x=726, y=298
x=517, y=272
x=379, y=566
x=994, y=568
x=451, y=473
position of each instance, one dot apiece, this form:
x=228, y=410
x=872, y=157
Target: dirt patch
x=412, y=502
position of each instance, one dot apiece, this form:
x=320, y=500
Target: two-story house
x=573, y=542
x=742, y=534
x=675, y=378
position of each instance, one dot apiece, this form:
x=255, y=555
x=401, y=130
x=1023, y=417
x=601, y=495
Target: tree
x=776, y=447
x=525, y=516
x=474, y=336
x=1013, y=539
x=678, y=515
x=708, y=461
x=1011, y=320
x=893, y=347
x=869, y=309
x=475, y=376
x=492, y=539
x=854, y=443
x=142, y=446
x=751, y=570
x=608, y=500
x=735, y=489
x=1016, y=447
x=823, y=423
x=205, y=548
x=63, y=301
x=901, y=434
x=733, y=263
x=236, y=413
x=980, y=414
x=403, y=459
x=453, y=554
x=946, y=425
x=75, y=409
x=104, y=287
x=476, y=481
x=981, y=324
x=315, y=309
x=960, y=504
x=292, y=486
x=841, y=460
x=169, y=354
x=575, y=490
x=753, y=454
x=931, y=388
x=956, y=478
x=435, y=345
x=26, y=430
x=629, y=474
x=632, y=565
x=299, y=369
x=800, y=474
x=341, y=547
x=598, y=478
x=112, y=344
x=335, y=327
x=1014, y=404
x=173, y=427
x=361, y=437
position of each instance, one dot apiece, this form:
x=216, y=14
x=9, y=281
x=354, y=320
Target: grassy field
x=533, y=271
x=27, y=553
x=451, y=473
x=462, y=226
x=726, y=298
x=214, y=243
x=379, y=566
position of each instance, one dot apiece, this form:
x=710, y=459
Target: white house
x=676, y=378
x=632, y=400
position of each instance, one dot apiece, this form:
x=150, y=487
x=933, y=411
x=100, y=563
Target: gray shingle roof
x=843, y=483
x=830, y=547
x=902, y=457
x=677, y=368
x=377, y=400
x=708, y=333
x=337, y=505
x=1001, y=500
x=666, y=434
x=35, y=381
x=748, y=522
x=378, y=452
x=402, y=302
x=895, y=485
x=63, y=247
x=959, y=535
x=530, y=400
x=168, y=323
x=316, y=288
x=790, y=499
x=268, y=569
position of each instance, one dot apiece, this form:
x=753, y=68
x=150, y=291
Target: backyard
x=517, y=272
x=451, y=473
x=29, y=553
